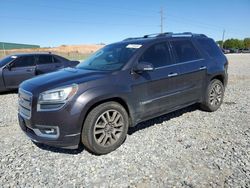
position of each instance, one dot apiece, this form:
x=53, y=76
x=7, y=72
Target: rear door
x=192, y=70
x=47, y=63
x=60, y=62
x=21, y=69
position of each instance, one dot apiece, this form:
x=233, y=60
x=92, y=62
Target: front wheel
x=105, y=128
x=213, y=96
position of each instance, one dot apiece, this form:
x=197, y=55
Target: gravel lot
x=187, y=148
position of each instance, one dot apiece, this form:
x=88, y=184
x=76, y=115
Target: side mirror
x=143, y=66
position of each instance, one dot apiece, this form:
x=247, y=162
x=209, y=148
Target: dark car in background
x=120, y=86
x=233, y=50
x=14, y=69
x=245, y=50
x=225, y=51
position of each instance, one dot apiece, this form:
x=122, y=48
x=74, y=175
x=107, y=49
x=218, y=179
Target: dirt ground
x=187, y=148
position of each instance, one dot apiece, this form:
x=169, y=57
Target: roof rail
x=165, y=34
x=151, y=35
x=131, y=38
x=180, y=34
x=168, y=34
x=145, y=36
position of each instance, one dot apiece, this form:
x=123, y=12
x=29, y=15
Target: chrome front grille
x=25, y=103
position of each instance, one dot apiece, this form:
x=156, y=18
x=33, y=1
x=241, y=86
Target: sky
x=63, y=22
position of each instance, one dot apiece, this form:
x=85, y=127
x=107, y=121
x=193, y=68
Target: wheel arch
x=112, y=99
x=219, y=77
x=119, y=100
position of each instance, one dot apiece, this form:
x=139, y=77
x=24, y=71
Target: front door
x=21, y=69
x=156, y=90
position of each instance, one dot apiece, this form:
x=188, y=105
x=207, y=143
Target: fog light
x=47, y=131
x=50, y=131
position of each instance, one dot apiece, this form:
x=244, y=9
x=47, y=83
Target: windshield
x=111, y=57
x=6, y=60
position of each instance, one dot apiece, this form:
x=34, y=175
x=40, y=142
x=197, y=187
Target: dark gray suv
x=14, y=69
x=119, y=86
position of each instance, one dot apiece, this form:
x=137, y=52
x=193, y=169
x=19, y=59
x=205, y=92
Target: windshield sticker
x=14, y=57
x=134, y=46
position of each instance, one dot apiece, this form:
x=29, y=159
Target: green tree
x=229, y=43
x=241, y=44
x=233, y=43
x=247, y=42
x=219, y=42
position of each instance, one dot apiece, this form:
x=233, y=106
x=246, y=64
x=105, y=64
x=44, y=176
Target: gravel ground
x=187, y=148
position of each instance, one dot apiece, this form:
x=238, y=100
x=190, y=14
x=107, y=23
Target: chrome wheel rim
x=108, y=128
x=215, y=96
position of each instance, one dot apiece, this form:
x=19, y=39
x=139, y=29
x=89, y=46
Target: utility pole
x=223, y=37
x=162, y=18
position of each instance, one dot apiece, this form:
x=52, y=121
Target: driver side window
x=158, y=55
x=25, y=61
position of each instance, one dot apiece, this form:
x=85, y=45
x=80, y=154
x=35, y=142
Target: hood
x=63, y=77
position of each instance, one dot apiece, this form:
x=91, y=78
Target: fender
x=96, y=95
x=218, y=69
x=218, y=74
x=2, y=84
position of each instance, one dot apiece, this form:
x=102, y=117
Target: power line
x=115, y=9
x=74, y=22
x=172, y=17
x=92, y=11
x=111, y=6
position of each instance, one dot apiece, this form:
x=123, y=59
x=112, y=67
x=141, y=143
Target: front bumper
x=65, y=139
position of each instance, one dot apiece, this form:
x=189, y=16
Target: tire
x=105, y=128
x=213, y=96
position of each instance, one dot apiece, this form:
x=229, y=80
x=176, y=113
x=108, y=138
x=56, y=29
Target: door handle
x=30, y=70
x=172, y=74
x=203, y=67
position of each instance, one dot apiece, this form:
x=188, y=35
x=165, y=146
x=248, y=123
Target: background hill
x=76, y=52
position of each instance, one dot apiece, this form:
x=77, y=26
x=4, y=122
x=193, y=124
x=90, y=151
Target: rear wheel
x=214, y=96
x=105, y=128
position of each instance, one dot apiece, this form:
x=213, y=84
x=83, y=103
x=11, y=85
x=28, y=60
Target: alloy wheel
x=215, y=95
x=108, y=128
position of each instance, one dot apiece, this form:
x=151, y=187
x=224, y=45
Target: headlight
x=59, y=95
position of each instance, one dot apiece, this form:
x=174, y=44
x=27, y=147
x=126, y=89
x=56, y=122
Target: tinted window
x=157, y=54
x=184, y=50
x=60, y=58
x=210, y=47
x=24, y=61
x=6, y=60
x=45, y=59
x=56, y=60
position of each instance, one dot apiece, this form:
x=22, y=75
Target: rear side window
x=59, y=59
x=184, y=50
x=25, y=61
x=210, y=47
x=56, y=60
x=157, y=54
x=45, y=59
